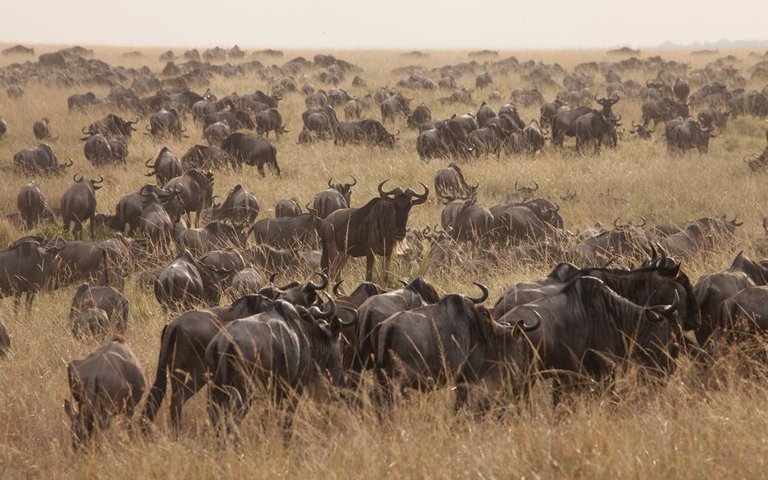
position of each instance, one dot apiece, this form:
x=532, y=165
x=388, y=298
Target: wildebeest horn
x=84, y=131
x=403, y=282
x=482, y=297
x=336, y=288
x=557, y=207
x=537, y=185
x=663, y=259
x=354, y=182
x=616, y=223
x=318, y=314
x=314, y=286
x=134, y=122
x=617, y=120
x=654, y=255
x=382, y=193
x=77, y=180
x=396, y=133
x=69, y=164
x=330, y=182
x=272, y=277
x=350, y=322
x=420, y=198
x=100, y=180
x=146, y=164
x=734, y=223
x=665, y=310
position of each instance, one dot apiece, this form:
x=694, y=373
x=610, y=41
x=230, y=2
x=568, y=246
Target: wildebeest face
x=402, y=201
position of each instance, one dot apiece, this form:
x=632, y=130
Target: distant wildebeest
x=195, y=192
x=450, y=183
x=373, y=229
x=32, y=206
x=239, y=206
x=338, y=195
x=251, y=151
x=111, y=126
x=106, y=383
x=40, y=159
x=165, y=167
x=287, y=207
x=270, y=120
x=106, y=299
x=164, y=123
x=42, y=130
x=78, y=204
x=26, y=268
x=216, y=133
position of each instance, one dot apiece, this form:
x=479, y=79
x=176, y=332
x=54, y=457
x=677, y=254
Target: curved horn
x=482, y=297
x=382, y=193
x=557, y=207
x=318, y=314
x=654, y=255
x=354, y=182
x=100, y=180
x=537, y=186
x=69, y=164
x=534, y=326
x=272, y=277
x=146, y=164
x=666, y=310
x=336, y=288
x=77, y=180
x=330, y=182
x=350, y=322
x=314, y=286
x=420, y=198
x=615, y=222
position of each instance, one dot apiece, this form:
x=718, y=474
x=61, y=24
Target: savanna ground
x=701, y=423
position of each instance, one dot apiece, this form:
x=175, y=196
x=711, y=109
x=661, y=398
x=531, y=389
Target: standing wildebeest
x=374, y=229
x=420, y=115
x=286, y=232
x=450, y=183
x=39, y=159
x=682, y=89
x=549, y=110
x=106, y=383
x=78, y=204
x=684, y=135
x=337, y=196
x=41, y=130
x=585, y=327
x=97, y=149
x=166, y=166
x=251, y=151
x=184, y=283
x=484, y=113
x=287, y=207
x=28, y=268
x=216, y=133
x=662, y=111
x=165, y=123
x=239, y=206
x=107, y=299
x=196, y=192
x=81, y=101
x=394, y=106
x=353, y=109
x=111, y=126
x=206, y=157
x=282, y=350
x=594, y=127
x=32, y=205
x=81, y=260
x=711, y=117
x=270, y=120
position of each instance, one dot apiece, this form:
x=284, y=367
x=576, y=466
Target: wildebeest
x=281, y=349
x=748, y=103
x=682, y=89
x=594, y=127
x=420, y=115
x=337, y=196
x=5, y=340
x=270, y=120
x=237, y=119
x=711, y=117
x=27, y=268
x=287, y=207
x=100, y=150
x=81, y=260
x=216, y=133
x=549, y=110
x=684, y=135
x=184, y=283
x=107, y=299
x=585, y=327
x=106, y=383
x=206, y=157
x=251, y=151
x=373, y=229
x=662, y=111
x=286, y=232
x=81, y=101
x=78, y=204
x=394, y=106
x=39, y=159
x=32, y=205
x=450, y=183
x=239, y=206
x=41, y=129
x=353, y=109
x=164, y=123
x=165, y=167
x=111, y=126
x=195, y=192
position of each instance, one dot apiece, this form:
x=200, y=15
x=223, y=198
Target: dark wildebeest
x=206, y=157
x=236, y=119
x=353, y=109
x=39, y=159
x=81, y=260
x=420, y=115
x=5, y=340
x=251, y=151
x=585, y=327
x=287, y=207
x=216, y=133
x=106, y=383
x=372, y=132
x=394, y=106
x=594, y=127
x=684, y=135
x=81, y=101
x=682, y=89
x=549, y=110
x=450, y=183
x=239, y=206
x=111, y=126
x=484, y=113
x=337, y=196
x=107, y=299
x=165, y=167
x=184, y=283
x=97, y=149
x=32, y=206
x=78, y=204
x=454, y=340
x=748, y=103
x=28, y=268
x=270, y=120
x=196, y=192
x=286, y=232
x=374, y=229
x=662, y=111
x=713, y=289
x=711, y=117
x=283, y=350
x=41, y=129
x=164, y=123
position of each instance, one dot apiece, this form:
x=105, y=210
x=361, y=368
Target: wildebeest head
x=94, y=184
x=402, y=201
x=344, y=189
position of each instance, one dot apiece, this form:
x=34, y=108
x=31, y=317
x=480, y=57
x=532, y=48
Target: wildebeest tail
x=157, y=392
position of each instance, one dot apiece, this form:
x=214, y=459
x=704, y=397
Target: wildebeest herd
x=239, y=326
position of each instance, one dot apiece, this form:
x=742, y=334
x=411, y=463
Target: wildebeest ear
x=670, y=271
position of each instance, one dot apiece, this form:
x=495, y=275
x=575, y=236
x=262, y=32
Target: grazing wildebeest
x=251, y=151
x=81, y=260
x=166, y=122
x=594, y=127
x=81, y=101
x=111, y=126
x=287, y=207
x=184, y=283
x=206, y=157
x=337, y=196
x=32, y=206
x=107, y=299
x=450, y=183
x=284, y=350
x=78, y=204
x=420, y=115
x=195, y=192
x=585, y=327
x=39, y=159
x=684, y=135
x=239, y=206
x=106, y=383
x=28, y=267
x=394, y=106
x=662, y=111
x=216, y=133
x=286, y=232
x=165, y=167
x=41, y=129
x=270, y=120
x=374, y=229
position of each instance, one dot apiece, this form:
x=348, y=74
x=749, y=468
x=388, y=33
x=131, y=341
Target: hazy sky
x=509, y=24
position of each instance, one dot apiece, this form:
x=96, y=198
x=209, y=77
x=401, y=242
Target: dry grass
x=698, y=424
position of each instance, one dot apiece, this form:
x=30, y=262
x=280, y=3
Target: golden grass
x=698, y=424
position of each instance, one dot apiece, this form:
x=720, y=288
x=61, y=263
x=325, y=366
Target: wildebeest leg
x=93, y=236
x=30, y=299
x=182, y=389
x=369, y=259
x=260, y=168
x=197, y=218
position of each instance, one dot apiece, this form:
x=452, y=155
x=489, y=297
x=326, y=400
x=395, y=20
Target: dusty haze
x=393, y=24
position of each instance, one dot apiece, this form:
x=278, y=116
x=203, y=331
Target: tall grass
x=701, y=422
